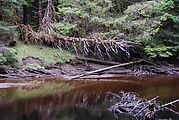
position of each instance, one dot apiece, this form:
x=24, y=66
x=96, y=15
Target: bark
x=39, y=12
x=48, y=18
x=25, y=12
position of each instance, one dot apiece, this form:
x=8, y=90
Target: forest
x=104, y=30
x=146, y=29
x=93, y=57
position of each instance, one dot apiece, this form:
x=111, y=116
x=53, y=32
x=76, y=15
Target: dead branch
x=5, y=76
x=81, y=45
x=131, y=104
x=48, y=18
x=105, y=69
x=170, y=103
x=16, y=76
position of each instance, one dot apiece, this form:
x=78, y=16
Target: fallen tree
x=47, y=35
x=83, y=46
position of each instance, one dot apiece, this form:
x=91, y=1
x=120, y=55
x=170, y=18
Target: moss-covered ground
x=48, y=55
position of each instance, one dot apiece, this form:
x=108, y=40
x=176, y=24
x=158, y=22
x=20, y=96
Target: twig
x=113, y=94
x=145, y=106
x=172, y=110
x=170, y=103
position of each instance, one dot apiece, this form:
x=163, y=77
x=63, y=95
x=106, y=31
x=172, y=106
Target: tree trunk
x=25, y=12
x=39, y=12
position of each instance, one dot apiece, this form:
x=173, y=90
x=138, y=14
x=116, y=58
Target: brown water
x=86, y=100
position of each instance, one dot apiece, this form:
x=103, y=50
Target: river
x=84, y=100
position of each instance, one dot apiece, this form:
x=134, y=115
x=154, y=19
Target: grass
x=48, y=55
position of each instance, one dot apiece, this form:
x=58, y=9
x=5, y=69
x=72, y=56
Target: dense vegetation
x=153, y=24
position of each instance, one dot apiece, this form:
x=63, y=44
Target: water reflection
x=86, y=102
x=65, y=113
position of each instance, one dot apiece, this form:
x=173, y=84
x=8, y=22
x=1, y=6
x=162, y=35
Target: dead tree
x=39, y=12
x=48, y=18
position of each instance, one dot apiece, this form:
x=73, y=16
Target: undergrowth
x=48, y=55
x=152, y=23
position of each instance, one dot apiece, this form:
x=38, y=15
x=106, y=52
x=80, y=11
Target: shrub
x=8, y=56
x=153, y=25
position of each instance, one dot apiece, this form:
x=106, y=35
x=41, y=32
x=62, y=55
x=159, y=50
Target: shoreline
x=70, y=69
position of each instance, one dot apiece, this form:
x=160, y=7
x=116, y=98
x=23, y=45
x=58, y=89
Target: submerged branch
x=131, y=104
x=170, y=103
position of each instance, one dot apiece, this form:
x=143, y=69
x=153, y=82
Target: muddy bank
x=77, y=67
x=35, y=67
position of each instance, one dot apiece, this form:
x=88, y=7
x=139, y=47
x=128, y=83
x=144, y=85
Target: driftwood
x=105, y=69
x=16, y=76
x=27, y=73
x=6, y=76
x=141, y=109
x=38, y=71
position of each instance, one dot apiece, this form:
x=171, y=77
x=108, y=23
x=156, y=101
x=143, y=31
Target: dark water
x=86, y=101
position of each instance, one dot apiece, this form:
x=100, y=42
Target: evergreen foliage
x=152, y=23
x=10, y=15
x=10, y=11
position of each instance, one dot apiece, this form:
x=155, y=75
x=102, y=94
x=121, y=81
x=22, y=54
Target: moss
x=48, y=55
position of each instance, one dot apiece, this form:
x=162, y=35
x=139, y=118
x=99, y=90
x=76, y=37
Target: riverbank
x=37, y=61
x=77, y=67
